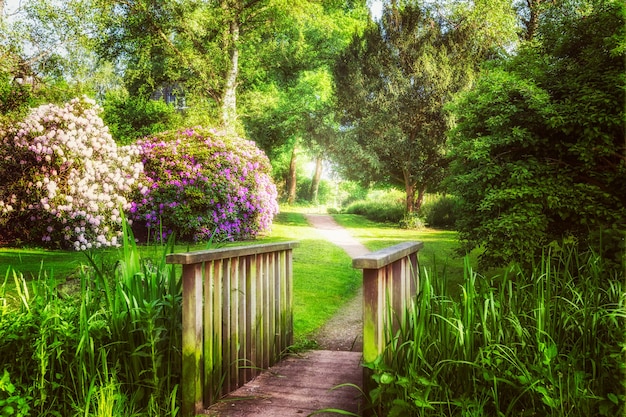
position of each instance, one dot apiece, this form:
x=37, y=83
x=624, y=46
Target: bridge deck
x=298, y=386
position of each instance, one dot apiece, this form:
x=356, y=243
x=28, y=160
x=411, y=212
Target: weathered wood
x=298, y=385
x=389, y=282
x=188, y=258
x=237, y=307
x=386, y=256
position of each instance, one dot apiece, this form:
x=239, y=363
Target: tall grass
x=106, y=344
x=549, y=342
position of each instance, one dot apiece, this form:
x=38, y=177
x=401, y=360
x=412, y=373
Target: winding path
x=344, y=331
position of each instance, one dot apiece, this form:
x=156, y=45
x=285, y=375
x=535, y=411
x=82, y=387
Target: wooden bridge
x=238, y=322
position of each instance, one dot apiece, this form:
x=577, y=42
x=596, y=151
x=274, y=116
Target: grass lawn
x=323, y=275
x=439, y=252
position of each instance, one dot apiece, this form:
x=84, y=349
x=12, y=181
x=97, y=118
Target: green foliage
x=550, y=341
x=350, y=191
x=14, y=97
x=304, y=191
x=440, y=212
x=12, y=403
x=392, y=83
x=380, y=206
x=131, y=118
x=538, y=146
x=105, y=343
x=202, y=184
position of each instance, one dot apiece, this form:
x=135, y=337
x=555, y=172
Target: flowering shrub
x=203, y=184
x=65, y=180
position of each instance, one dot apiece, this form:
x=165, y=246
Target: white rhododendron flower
x=62, y=167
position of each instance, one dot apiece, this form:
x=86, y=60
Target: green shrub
x=380, y=206
x=303, y=191
x=12, y=403
x=202, y=185
x=550, y=341
x=131, y=118
x=440, y=212
x=412, y=221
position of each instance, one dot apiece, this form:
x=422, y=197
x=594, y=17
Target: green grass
x=324, y=279
x=439, y=254
x=323, y=276
x=549, y=341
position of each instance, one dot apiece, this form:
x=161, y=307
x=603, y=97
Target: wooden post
x=192, y=337
x=390, y=279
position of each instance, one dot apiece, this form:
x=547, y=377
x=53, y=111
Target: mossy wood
x=237, y=317
x=390, y=278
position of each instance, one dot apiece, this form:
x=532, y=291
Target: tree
x=539, y=145
x=293, y=98
x=393, y=82
x=44, y=56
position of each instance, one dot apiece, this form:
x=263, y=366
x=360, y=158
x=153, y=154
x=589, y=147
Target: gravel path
x=344, y=331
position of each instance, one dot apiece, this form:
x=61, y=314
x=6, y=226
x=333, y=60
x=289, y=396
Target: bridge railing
x=390, y=279
x=237, y=317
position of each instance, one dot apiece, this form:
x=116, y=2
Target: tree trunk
x=414, y=193
x=410, y=197
x=229, y=99
x=291, y=181
x=315, y=181
x=421, y=191
x=533, y=21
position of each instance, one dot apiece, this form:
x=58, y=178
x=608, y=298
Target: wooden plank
x=298, y=385
x=192, y=339
x=218, y=330
x=211, y=343
x=380, y=258
x=187, y=258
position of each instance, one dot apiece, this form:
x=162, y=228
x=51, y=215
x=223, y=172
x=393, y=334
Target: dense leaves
x=106, y=343
x=392, y=84
x=547, y=342
x=202, y=184
x=539, y=145
x=131, y=118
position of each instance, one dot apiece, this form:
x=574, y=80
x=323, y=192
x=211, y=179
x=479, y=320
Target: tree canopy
x=539, y=145
x=393, y=82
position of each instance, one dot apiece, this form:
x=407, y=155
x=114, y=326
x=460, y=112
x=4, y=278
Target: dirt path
x=344, y=331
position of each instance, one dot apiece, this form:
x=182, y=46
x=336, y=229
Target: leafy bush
x=303, y=192
x=11, y=402
x=202, y=184
x=380, y=206
x=550, y=341
x=538, y=149
x=64, y=179
x=440, y=212
x=131, y=118
x=412, y=221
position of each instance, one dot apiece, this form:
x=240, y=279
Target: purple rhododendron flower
x=195, y=190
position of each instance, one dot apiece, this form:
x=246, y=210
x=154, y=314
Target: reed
x=107, y=344
x=545, y=342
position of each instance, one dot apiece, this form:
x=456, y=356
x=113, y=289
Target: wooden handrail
x=390, y=278
x=237, y=317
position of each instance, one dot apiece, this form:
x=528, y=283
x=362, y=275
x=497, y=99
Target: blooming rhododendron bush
x=64, y=179
x=203, y=184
